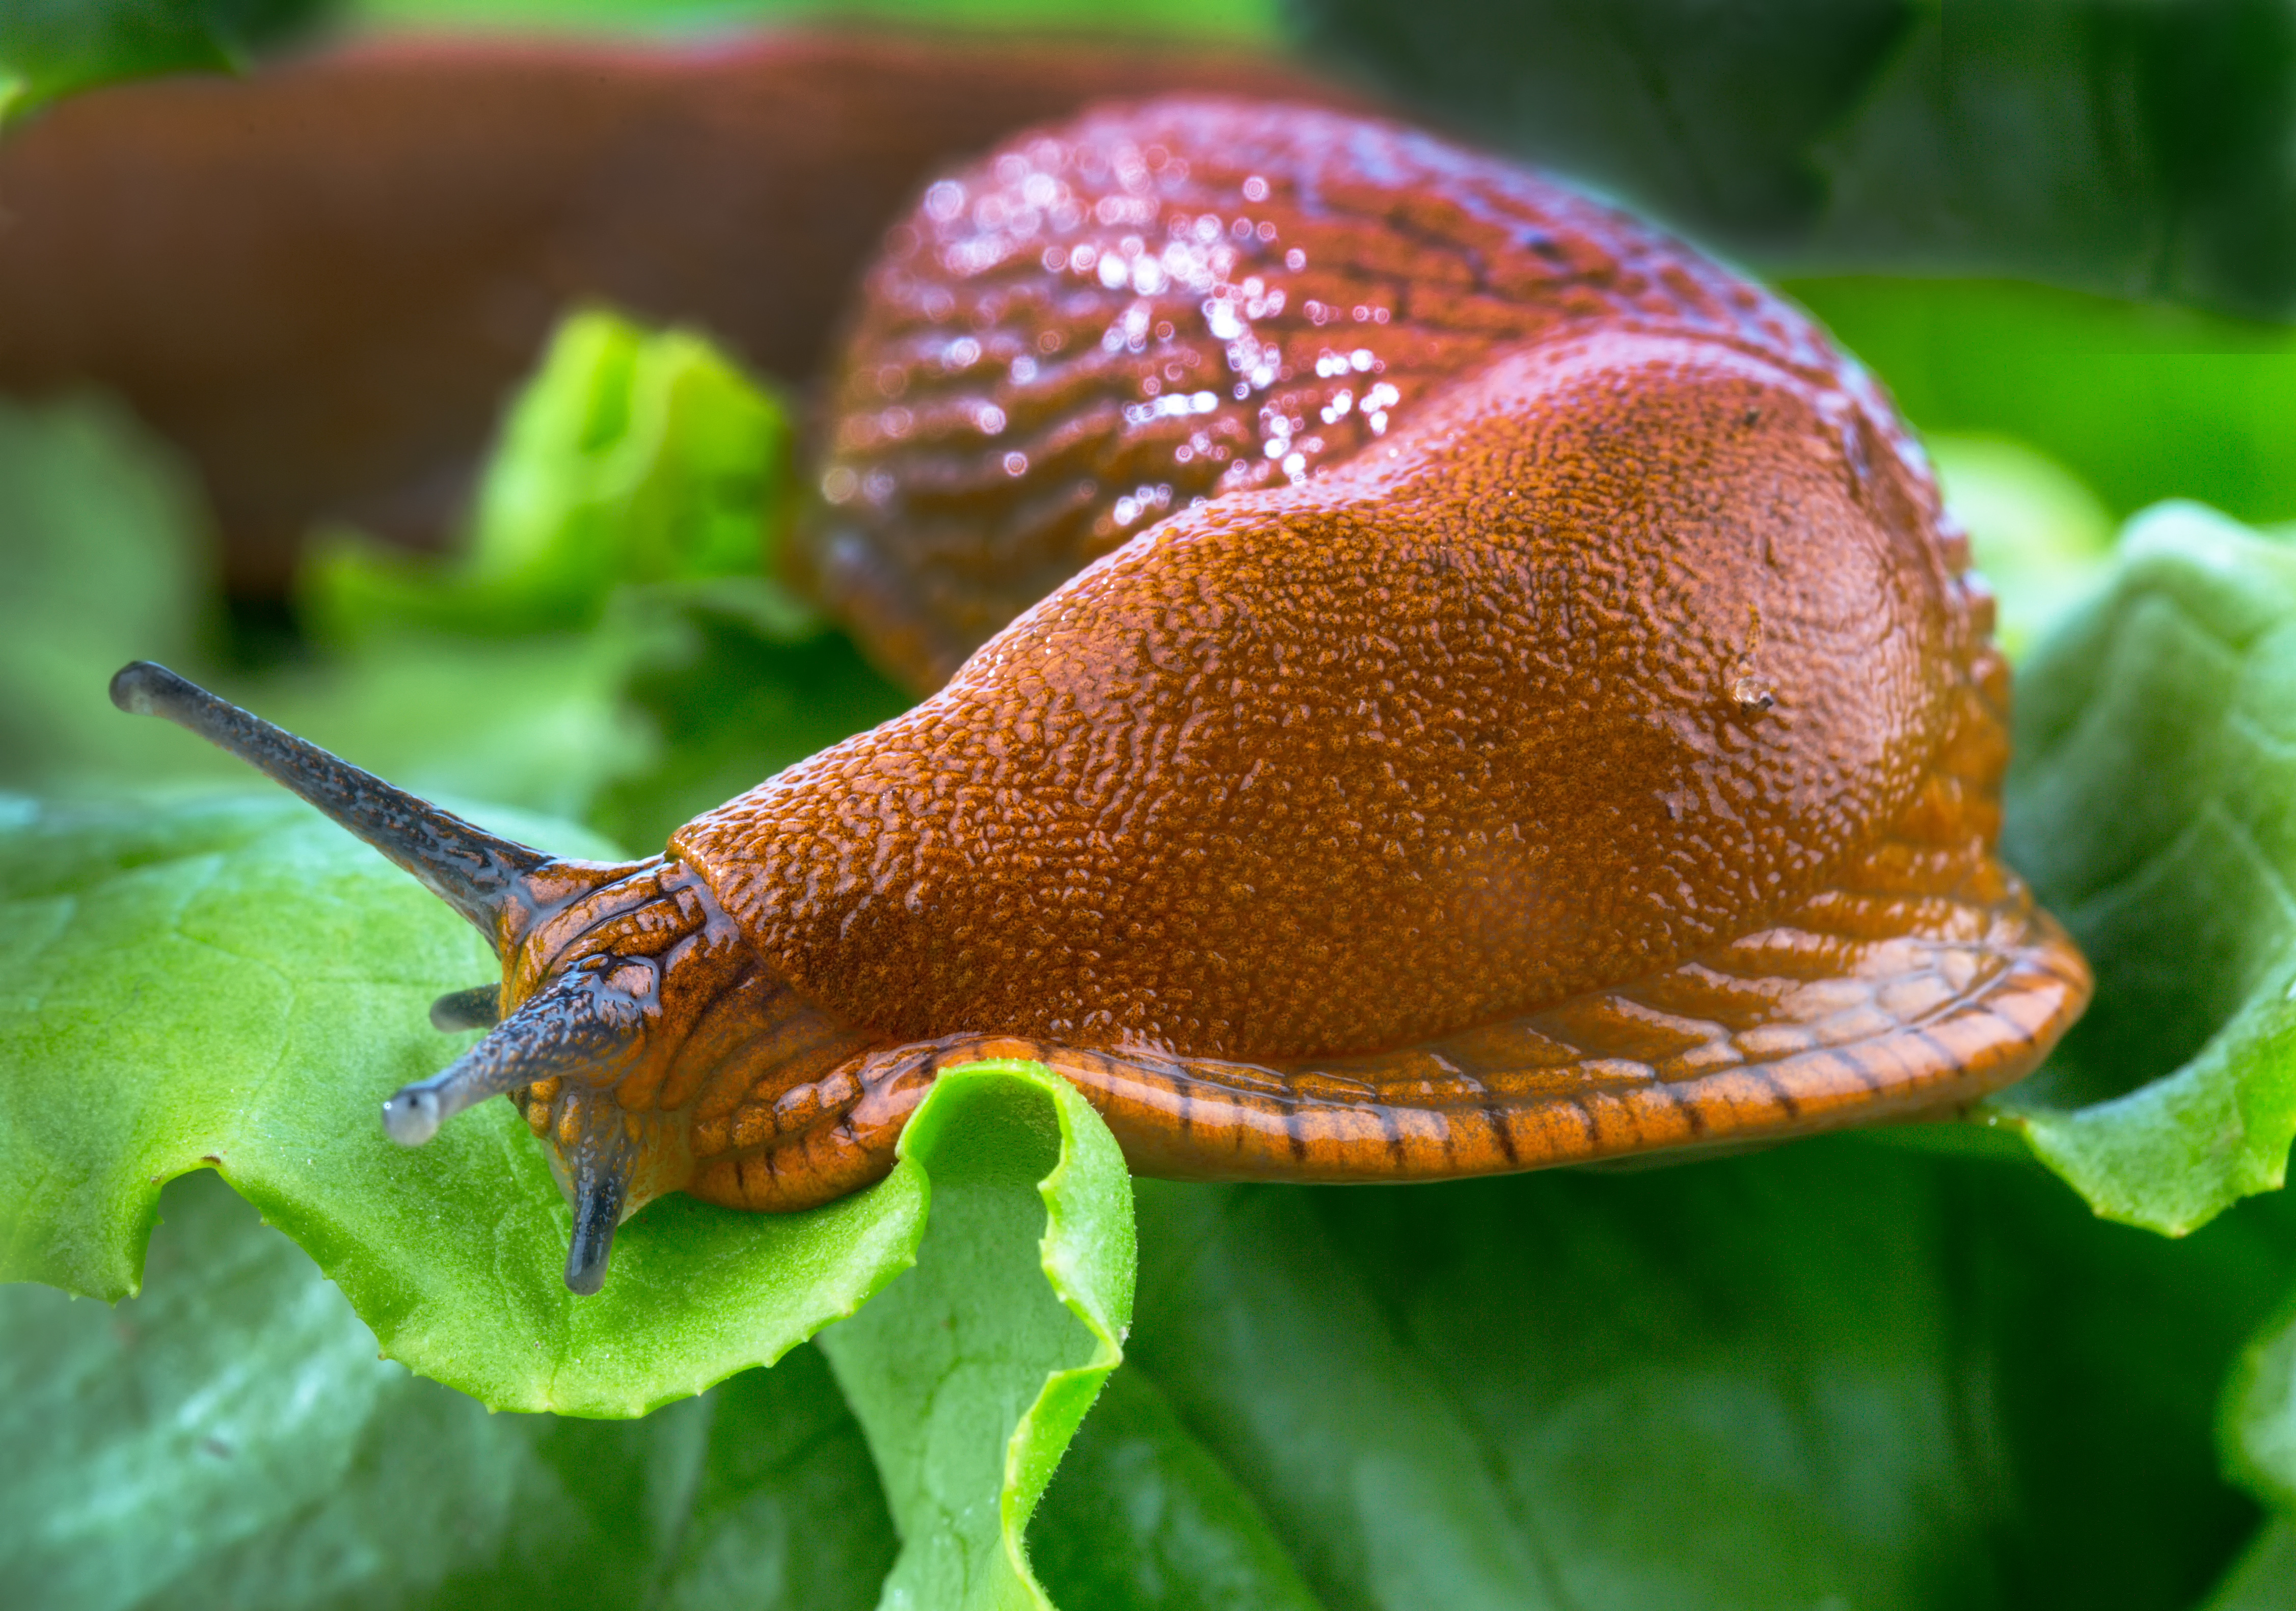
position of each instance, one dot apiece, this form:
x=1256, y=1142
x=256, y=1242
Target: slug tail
x=477, y=873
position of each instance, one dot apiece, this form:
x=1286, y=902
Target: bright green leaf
x=2142, y=402
x=218, y=982
x=971, y=1374
x=240, y=984
x=229, y=1439
x=629, y=456
x=2152, y=804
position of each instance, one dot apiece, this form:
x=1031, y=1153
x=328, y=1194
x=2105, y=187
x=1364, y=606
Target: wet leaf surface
x=2140, y=151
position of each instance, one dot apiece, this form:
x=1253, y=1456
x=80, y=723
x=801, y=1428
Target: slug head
x=607, y=969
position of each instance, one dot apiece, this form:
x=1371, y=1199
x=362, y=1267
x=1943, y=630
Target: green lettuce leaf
x=1834, y=1374
x=629, y=456
x=229, y=1439
x=2152, y=804
x=1142, y=1516
x=970, y=1375
x=237, y=983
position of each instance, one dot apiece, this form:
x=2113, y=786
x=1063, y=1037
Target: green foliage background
x=1920, y=1367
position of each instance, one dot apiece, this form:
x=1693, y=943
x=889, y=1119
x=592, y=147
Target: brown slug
x=1434, y=677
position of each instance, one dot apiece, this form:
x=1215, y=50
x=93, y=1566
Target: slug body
x=1434, y=677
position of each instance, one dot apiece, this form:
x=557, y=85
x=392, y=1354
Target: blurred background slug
x=1426, y=677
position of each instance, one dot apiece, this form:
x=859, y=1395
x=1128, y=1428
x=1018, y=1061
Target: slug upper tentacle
x=480, y=875
x=1427, y=677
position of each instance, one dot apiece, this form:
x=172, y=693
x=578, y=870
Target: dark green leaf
x=1708, y=113
x=2260, y=1581
x=2260, y=1415
x=1835, y=1374
x=229, y=1439
x=50, y=48
x=1142, y=1516
x=2138, y=150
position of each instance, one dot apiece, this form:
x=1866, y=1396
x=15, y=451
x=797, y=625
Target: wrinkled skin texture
x=1098, y=325
x=1442, y=737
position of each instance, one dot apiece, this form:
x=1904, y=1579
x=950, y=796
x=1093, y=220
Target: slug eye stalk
x=477, y=873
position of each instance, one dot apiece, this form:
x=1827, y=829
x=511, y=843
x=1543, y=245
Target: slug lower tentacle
x=477, y=1008
x=1427, y=677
